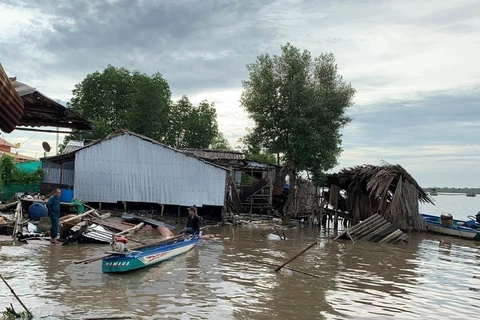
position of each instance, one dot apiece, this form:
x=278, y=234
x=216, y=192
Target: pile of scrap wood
x=90, y=226
x=95, y=227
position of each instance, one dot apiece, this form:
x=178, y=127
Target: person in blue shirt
x=53, y=206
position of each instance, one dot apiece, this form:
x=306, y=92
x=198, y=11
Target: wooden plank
x=391, y=236
x=8, y=205
x=368, y=228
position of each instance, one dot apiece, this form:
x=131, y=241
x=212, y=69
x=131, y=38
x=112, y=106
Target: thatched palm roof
x=386, y=189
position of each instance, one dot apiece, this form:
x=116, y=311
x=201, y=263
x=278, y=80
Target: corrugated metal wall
x=128, y=168
x=58, y=174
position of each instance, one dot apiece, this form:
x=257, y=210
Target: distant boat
x=446, y=225
x=471, y=194
x=433, y=192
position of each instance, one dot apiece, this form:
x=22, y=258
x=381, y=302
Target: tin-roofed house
x=127, y=167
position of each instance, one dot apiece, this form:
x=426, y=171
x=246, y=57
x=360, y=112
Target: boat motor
x=478, y=217
x=120, y=244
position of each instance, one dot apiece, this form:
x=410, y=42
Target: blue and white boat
x=148, y=255
x=467, y=229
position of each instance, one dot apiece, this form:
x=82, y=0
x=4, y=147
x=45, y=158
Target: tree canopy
x=298, y=105
x=118, y=98
x=220, y=143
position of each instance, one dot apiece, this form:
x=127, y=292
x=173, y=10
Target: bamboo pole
x=24, y=307
x=291, y=269
x=296, y=256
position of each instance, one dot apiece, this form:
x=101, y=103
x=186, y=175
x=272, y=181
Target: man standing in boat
x=193, y=222
x=53, y=206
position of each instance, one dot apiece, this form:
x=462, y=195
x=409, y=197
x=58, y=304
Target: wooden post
x=178, y=217
x=161, y=213
x=18, y=220
x=270, y=195
x=124, y=206
x=335, y=221
x=99, y=206
x=296, y=256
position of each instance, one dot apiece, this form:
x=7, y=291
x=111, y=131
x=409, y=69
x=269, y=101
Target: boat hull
x=141, y=259
x=433, y=225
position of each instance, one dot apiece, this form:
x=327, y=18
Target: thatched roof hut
x=387, y=189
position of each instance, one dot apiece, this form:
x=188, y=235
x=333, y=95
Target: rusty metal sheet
x=11, y=105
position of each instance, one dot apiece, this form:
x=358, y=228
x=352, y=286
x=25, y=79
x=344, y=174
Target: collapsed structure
x=388, y=190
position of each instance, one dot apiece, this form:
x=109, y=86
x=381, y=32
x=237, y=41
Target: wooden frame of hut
x=388, y=190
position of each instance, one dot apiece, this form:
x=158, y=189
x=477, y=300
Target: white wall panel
x=128, y=168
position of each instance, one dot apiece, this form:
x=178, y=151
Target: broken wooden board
x=374, y=229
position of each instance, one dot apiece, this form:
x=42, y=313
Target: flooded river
x=220, y=279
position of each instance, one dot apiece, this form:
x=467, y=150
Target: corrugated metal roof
x=216, y=154
x=72, y=146
x=94, y=232
x=11, y=105
x=40, y=110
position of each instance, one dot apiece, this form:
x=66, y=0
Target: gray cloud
x=196, y=45
x=434, y=119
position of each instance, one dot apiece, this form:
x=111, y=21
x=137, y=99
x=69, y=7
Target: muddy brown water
x=430, y=277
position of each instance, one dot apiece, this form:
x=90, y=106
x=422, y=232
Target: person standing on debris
x=193, y=222
x=53, y=206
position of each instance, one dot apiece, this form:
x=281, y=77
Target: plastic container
x=66, y=196
x=36, y=211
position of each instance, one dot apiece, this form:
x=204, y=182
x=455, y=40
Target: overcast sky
x=414, y=65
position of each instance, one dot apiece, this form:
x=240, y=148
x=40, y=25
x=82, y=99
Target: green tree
x=298, y=105
x=117, y=98
x=192, y=126
x=220, y=142
x=253, y=150
x=7, y=169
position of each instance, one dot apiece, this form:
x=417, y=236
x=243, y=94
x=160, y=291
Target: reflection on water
x=430, y=277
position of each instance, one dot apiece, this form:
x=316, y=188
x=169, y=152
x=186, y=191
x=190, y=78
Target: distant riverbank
x=453, y=190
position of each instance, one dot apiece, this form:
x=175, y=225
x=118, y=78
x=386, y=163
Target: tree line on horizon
x=297, y=103
x=454, y=189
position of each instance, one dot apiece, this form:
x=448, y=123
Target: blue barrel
x=37, y=211
x=66, y=196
